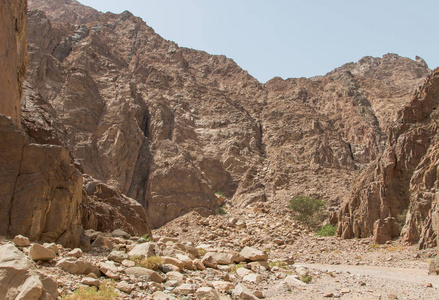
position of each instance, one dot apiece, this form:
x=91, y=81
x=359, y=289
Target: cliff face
x=13, y=34
x=41, y=189
x=171, y=126
x=399, y=188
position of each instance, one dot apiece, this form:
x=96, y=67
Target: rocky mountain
x=41, y=191
x=170, y=127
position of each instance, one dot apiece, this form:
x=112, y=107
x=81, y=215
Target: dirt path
x=365, y=282
x=402, y=274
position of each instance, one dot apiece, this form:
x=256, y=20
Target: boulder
x=207, y=293
x=77, y=252
x=147, y=273
x=185, y=289
x=120, y=233
x=145, y=250
x=241, y=292
x=252, y=254
x=19, y=278
x=21, y=241
x=118, y=256
x=38, y=252
x=177, y=276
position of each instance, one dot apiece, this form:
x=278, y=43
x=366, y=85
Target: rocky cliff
x=399, y=188
x=171, y=126
x=41, y=190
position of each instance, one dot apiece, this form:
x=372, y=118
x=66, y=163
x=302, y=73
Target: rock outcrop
x=399, y=188
x=13, y=34
x=170, y=126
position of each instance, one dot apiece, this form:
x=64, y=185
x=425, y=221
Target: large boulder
x=40, y=189
x=19, y=278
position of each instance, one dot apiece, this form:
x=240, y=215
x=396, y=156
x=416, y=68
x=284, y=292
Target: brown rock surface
x=171, y=126
x=13, y=34
x=403, y=178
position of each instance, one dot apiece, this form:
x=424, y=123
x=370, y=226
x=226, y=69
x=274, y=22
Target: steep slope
x=171, y=126
x=403, y=178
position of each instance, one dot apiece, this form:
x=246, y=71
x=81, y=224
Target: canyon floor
x=333, y=267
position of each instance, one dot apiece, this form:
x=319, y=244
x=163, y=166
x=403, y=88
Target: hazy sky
x=292, y=38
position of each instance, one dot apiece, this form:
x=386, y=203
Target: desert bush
x=220, y=211
x=106, y=292
x=327, y=230
x=152, y=262
x=306, y=278
x=307, y=210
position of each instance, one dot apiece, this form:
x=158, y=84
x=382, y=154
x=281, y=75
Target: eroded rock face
x=13, y=34
x=403, y=178
x=170, y=127
x=112, y=210
x=41, y=190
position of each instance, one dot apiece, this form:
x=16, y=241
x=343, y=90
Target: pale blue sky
x=292, y=38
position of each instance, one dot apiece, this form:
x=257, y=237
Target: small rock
x=120, y=233
x=128, y=263
x=125, y=287
x=241, y=292
x=328, y=295
x=118, y=256
x=209, y=261
x=161, y=296
x=149, y=274
x=177, y=276
x=75, y=253
x=429, y=285
x=109, y=270
x=21, y=241
x=252, y=278
x=252, y=254
x=223, y=285
x=185, y=289
x=345, y=291
x=38, y=252
x=90, y=281
x=102, y=242
x=207, y=293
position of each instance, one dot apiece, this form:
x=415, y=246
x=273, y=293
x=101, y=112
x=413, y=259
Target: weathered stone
x=102, y=242
x=52, y=246
x=252, y=278
x=241, y=292
x=209, y=261
x=223, y=285
x=145, y=250
x=21, y=241
x=293, y=281
x=91, y=281
x=252, y=254
x=187, y=262
x=207, y=293
x=75, y=253
x=173, y=261
x=186, y=289
x=162, y=296
x=177, y=276
x=120, y=233
x=149, y=274
x=125, y=287
x=38, y=252
x=109, y=270
x=118, y=256
x=243, y=272
x=19, y=279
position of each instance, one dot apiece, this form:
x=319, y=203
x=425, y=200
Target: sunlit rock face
x=171, y=126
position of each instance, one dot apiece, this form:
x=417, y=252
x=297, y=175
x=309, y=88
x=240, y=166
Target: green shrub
x=308, y=210
x=152, y=262
x=146, y=237
x=220, y=211
x=306, y=278
x=220, y=194
x=106, y=292
x=327, y=230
